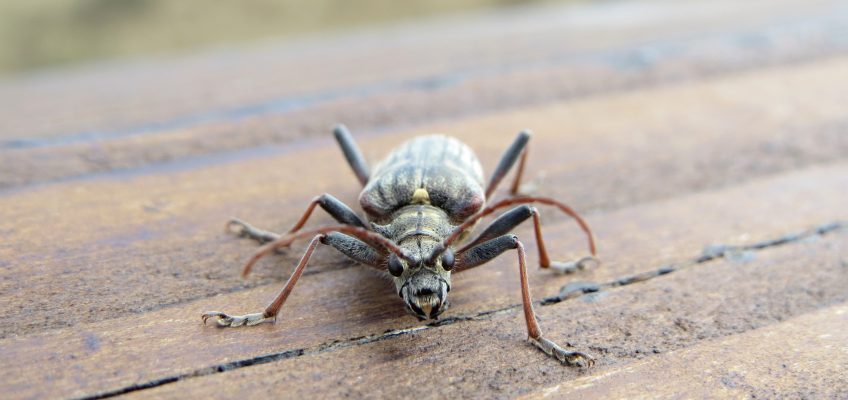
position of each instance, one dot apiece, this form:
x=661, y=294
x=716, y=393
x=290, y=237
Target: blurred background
x=42, y=33
x=100, y=86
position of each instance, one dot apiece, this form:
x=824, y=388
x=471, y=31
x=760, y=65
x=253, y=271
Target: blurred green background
x=42, y=33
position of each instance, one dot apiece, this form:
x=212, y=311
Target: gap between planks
x=607, y=72
x=649, y=231
x=569, y=292
x=185, y=226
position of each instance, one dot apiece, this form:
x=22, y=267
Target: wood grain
x=159, y=236
x=203, y=107
x=171, y=88
x=801, y=357
x=705, y=142
x=489, y=357
x=351, y=303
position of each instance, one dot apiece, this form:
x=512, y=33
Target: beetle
x=422, y=203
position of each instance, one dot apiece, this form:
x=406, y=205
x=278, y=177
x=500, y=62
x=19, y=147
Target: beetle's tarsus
x=224, y=320
x=572, y=358
x=245, y=230
x=568, y=267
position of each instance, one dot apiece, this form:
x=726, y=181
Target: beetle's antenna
x=512, y=201
x=360, y=233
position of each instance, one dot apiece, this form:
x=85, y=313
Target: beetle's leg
x=249, y=231
x=491, y=249
x=270, y=313
x=517, y=149
x=333, y=206
x=380, y=243
x=352, y=154
x=356, y=249
x=512, y=218
x=350, y=246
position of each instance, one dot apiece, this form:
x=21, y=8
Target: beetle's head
x=424, y=288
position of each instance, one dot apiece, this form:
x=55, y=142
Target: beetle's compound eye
x=447, y=260
x=395, y=266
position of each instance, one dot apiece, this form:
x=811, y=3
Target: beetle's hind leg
x=352, y=154
x=243, y=229
x=333, y=206
x=512, y=218
x=517, y=151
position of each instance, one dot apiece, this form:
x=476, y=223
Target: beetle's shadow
x=372, y=298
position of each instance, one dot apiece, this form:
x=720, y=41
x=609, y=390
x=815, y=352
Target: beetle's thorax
x=418, y=229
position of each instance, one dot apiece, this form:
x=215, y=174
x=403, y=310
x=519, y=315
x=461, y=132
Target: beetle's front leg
x=270, y=313
x=489, y=250
x=351, y=247
x=512, y=218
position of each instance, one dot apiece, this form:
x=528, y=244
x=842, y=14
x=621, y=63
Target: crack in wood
x=569, y=291
x=710, y=253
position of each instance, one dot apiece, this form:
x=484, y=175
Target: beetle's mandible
x=422, y=203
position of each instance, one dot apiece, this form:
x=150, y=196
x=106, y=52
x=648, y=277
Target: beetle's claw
x=237, y=227
x=572, y=358
x=587, y=262
x=224, y=320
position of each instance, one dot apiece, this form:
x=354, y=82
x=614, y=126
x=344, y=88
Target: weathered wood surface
x=470, y=358
x=104, y=275
x=161, y=232
x=116, y=354
x=803, y=357
x=104, y=119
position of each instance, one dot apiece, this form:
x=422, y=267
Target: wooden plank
x=172, y=87
x=556, y=69
x=102, y=278
x=130, y=243
x=803, y=357
x=116, y=354
x=488, y=358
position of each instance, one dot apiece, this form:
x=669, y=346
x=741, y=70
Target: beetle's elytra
x=422, y=203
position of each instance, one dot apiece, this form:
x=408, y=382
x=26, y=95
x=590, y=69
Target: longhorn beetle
x=422, y=202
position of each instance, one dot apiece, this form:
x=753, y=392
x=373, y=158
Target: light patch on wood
x=420, y=196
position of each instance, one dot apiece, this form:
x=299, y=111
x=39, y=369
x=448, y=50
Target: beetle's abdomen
x=445, y=167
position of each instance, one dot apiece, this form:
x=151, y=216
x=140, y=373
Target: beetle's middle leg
x=350, y=246
x=333, y=206
x=512, y=218
x=490, y=249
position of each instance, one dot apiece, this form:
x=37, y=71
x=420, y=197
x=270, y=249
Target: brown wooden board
x=705, y=142
x=135, y=242
x=489, y=357
x=116, y=354
x=803, y=357
x=171, y=87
